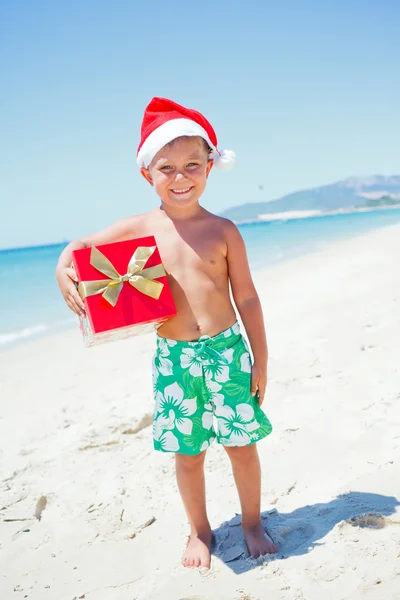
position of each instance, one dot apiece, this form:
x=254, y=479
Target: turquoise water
x=31, y=304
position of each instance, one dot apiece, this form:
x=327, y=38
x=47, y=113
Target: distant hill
x=377, y=190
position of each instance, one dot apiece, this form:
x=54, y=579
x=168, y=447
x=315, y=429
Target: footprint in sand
x=292, y=535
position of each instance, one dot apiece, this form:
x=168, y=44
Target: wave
x=22, y=335
x=294, y=215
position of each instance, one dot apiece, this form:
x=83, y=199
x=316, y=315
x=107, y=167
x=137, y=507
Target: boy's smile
x=184, y=191
x=179, y=171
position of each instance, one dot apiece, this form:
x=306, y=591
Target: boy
x=202, y=369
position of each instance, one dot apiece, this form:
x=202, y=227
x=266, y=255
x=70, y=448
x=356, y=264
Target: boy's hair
x=191, y=137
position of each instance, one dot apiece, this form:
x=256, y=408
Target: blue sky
x=306, y=93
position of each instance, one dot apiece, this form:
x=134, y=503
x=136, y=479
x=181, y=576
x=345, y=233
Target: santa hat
x=165, y=120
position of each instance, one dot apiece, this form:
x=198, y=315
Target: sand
x=89, y=510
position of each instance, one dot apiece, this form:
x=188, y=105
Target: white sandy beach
x=69, y=432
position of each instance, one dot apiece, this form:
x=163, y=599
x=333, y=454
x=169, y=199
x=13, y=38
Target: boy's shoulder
x=219, y=221
x=222, y=224
x=137, y=221
x=139, y=218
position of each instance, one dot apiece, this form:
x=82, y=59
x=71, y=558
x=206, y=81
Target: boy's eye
x=165, y=167
x=192, y=164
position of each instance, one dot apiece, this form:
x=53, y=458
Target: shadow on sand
x=299, y=532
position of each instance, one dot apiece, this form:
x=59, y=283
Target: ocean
x=31, y=304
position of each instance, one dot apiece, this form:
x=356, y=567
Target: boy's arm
x=66, y=276
x=121, y=230
x=249, y=307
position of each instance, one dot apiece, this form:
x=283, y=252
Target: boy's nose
x=179, y=176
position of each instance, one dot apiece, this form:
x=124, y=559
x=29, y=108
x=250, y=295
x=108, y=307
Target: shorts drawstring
x=203, y=347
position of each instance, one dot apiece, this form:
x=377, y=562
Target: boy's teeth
x=181, y=191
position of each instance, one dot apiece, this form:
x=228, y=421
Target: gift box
x=124, y=288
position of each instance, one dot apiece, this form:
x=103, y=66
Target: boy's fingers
x=254, y=386
x=76, y=304
x=75, y=308
x=72, y=306
x=71, y=274
x=80, y=303
x=77, y=299
x=261, y=393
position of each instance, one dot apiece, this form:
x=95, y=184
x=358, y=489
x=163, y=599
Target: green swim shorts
x=202, y=392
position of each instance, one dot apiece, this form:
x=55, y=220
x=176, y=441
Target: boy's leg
x=247, y=473
x=191, y=484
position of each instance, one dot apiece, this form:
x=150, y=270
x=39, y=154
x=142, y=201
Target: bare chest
x=203, y=252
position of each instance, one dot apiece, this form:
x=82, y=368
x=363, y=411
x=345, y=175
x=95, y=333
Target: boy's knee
x=241, y=455
x=187, y=461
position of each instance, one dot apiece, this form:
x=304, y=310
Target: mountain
x=352, y=192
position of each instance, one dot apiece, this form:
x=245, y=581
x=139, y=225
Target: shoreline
x=42, y=331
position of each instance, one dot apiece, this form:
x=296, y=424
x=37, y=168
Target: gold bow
x=139, y=278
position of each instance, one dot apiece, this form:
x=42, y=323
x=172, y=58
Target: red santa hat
x=165, y=120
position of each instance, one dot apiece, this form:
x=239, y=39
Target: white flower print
x=167, y=440
x=164, y=344
x=173, y=411
x=228, y=355
x=236, y=424
x=218, y=371
x=245, y=363
x=192, y=360
x=218, y=367
x=164, y=365
x=161, y=363
x=208, y=416
x=206, y=444
x=213, y=388
x=236, y=328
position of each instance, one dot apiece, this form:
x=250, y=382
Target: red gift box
x=124, y=288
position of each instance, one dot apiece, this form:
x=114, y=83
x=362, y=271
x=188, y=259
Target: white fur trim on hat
x=164, y=134
x=225, y=160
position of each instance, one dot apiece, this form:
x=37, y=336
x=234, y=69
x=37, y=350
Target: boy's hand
x=66, y=277
x=258, y=382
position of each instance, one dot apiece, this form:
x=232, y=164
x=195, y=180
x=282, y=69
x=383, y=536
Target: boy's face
x=179, y=172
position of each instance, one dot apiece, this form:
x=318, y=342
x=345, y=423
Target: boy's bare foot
x=198, y=551
x=258, y=541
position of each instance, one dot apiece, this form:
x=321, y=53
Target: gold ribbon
x=138, y=277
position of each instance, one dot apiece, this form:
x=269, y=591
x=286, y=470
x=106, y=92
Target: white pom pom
x=224, y=161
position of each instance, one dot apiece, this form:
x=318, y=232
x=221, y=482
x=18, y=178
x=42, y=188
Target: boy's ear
x=147, y=175
x=209, y=166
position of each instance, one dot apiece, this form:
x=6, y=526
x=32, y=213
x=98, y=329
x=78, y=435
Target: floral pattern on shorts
x=202, y=392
